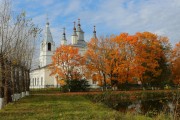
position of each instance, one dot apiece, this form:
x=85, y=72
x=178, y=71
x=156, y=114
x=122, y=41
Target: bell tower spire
x=79, y=23
x=47, y=20
x=94, y=33
x=80, y=33
x=74, y=35
x=47, y=33
x=64, y=41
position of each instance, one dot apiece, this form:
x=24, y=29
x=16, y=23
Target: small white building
x=40, y=77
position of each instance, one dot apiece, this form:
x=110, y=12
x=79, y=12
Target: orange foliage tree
x=98, y=57
x=126, y=58
x=137, y=57
x=148, y=52
x=66, y=63
x=176, y=64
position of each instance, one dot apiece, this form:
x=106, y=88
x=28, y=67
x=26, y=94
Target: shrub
x=79, y=85
x=64, y=88
x=76, y=86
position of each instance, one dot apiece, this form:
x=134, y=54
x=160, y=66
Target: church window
x=49, y=46
x=32, y=82
x=35, y=82
x=41, y=80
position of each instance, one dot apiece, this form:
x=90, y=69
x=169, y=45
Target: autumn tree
x=150, y=52
x=125, y=67
x=176, y=63
x=67, y=63
x=99, y=57
x=93, y=60
x=128, y=59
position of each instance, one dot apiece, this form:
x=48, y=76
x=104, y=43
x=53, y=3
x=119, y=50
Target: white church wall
x=49, y=79
x=74, y=39
x=45, y=58
x=79, y=35
x=41, y=78
x=37, y=79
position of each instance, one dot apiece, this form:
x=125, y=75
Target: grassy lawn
x=63, y=107
x=53, y=105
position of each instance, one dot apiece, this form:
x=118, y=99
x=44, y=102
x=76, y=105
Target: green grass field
x=62, y=107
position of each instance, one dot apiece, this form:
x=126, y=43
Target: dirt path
x=99, y=92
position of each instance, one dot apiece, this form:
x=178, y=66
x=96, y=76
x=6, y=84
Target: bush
x=79, y=85
x=64, y=88
x=76, y=86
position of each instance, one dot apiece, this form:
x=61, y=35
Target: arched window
x=35, y=82
x=49, y=46
x=32, y=82
x=41, y=80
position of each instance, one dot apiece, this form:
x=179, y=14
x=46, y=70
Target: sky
x=161, y=17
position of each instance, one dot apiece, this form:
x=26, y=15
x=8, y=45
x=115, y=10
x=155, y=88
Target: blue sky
x=110, y=16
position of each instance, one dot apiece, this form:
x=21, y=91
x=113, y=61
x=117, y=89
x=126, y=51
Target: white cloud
x=112, y=16
x=161, y=17
x=72, y=7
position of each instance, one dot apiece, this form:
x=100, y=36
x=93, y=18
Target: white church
x=40, y=77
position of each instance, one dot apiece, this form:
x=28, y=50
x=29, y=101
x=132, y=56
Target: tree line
x=17, y=44
x=143, y=59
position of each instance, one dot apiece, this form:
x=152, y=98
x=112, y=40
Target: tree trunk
x=2, y=80
x=105, y=84
x=22, y=82
x=25, y=79
x=27, y=82
x=17, y=83
x=7, y=86
x=13, y=81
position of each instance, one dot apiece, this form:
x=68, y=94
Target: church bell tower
x=47, y=47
